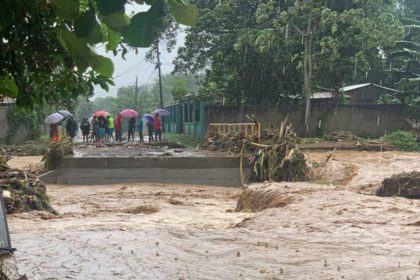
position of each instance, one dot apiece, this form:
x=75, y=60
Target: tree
x=47, y=47
x=345, y=33
x=404, y=60
x=241, y=62
x=256, y=51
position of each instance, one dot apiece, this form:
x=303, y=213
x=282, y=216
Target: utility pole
x=136, y=93
x=307, y=69
x=159, y=72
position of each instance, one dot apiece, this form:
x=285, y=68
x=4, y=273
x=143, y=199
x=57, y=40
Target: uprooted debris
x=338, y=136
x=142, y=209
x=56, y=151
x=27, y=192
x=275, y=158
x=404, y=184
x=258, y=198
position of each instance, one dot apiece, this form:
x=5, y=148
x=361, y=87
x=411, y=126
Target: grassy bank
x=181, y=139
x=31, y=148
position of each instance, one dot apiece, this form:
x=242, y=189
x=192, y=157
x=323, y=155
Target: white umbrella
x=161, y=112
x=54, y=118
x=66, y=113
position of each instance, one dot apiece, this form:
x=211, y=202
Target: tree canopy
x=255, y=51
x=47, y=48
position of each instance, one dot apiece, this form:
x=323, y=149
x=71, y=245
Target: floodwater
x=331, y=229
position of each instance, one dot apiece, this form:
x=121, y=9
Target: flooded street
x=331, y=229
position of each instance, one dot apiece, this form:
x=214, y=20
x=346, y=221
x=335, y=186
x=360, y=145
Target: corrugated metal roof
x=353, y=87
x=7, y=100
x=322, y=95
x=325, y=95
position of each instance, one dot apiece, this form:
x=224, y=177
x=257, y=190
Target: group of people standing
x=56, y=131
x=101, y=129
x=154, y=129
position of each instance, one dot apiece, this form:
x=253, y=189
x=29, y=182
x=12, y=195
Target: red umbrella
x=129, y=113
x=101, y=113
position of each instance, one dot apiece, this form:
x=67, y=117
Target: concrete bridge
x=202, y=170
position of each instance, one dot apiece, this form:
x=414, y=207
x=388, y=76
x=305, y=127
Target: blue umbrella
x=148, y=118
x=161, y=112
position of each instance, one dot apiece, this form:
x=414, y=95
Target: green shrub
x=182, y=139
x=403, y=140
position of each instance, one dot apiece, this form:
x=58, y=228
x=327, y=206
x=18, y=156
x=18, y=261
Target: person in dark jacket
x=85, y=128
x=131, y=127
x=150, y=131
x=94, y=126
x=102, y=123
x=71, y=128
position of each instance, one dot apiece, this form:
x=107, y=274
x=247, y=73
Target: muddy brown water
x=332, y=229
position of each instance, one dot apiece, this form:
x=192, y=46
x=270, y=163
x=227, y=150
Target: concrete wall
x=217, y=171
x=21, y=133
x=365, y=120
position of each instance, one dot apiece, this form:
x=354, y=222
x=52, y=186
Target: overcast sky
x=125, y=71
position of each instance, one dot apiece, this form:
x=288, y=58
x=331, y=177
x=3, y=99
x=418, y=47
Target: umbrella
x=101, y=113
x=66, y=113
x=129, y=113
x=54, y=118
x=161, y=112
x=148, y=118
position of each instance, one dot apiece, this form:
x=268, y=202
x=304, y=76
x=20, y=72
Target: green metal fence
x=186, y=117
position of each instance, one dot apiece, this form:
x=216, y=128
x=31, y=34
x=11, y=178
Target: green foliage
x=8, y=87
x=47, y=48
x=404, y=59
x=31, y=148
x=413, y=109
x=184, y=14
x=403, y=140
x=252, y=51
x=144, y=27
x=19, y=118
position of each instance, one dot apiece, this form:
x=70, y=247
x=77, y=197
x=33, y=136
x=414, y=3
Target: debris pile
x=259, y=197
x=404, y=184
x=275, y=158
x=25, y=192
x=230, y=142
x=56, y=151
x=338, y=136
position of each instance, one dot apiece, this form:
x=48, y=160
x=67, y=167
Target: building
x=186, y=117
x=22, y=131
x=360, y=94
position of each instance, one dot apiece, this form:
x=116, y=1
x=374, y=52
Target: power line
x=150, y=76
x=131, y=69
